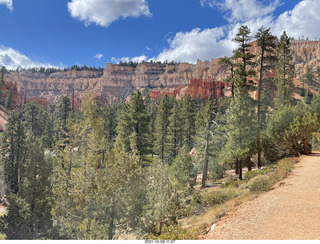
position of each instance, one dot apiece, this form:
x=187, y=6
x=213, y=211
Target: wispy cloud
x=104, y=12
x=13, y=59
x=8, y=3
x=98, y=56
x=242, y=10
x=205, y=44
x=137, y=59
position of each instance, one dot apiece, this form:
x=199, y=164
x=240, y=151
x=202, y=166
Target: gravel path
x=289, y=212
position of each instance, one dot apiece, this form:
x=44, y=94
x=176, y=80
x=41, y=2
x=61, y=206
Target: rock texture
x=117, y=81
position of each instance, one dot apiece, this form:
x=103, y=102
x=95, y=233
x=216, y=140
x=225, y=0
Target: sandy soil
x=2, y=209
x=289, y=212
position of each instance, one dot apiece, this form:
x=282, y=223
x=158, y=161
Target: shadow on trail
x=315, y=154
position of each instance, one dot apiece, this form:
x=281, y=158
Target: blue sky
x=62, y=33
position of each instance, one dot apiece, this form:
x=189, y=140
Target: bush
x=284, y=167
x=216, y=171
x=251, y=174
x=175, y=232
x=260, y=183
x=218, y=197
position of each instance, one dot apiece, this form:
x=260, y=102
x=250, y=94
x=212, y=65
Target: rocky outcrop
x=118, y=81
x=206, y=89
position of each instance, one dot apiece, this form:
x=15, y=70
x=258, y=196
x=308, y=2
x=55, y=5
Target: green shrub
x=218, y=197
x=260, y=183
x=216, y=171
x=175, y=232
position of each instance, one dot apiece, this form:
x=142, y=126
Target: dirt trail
x=289, y=212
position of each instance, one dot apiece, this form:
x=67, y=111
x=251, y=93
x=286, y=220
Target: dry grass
x=204, y=221
x=212, y=214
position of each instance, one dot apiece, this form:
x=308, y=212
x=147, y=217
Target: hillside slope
x=285, y=213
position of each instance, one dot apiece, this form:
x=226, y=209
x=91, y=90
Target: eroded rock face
x=209, y=88
x=117, y=81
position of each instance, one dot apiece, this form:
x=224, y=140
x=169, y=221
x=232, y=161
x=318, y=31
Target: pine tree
x=9, y=99
x=31, y=116
x=230, y=64
x=266, y=43
x=3, y=71
x=134, y=119
x=284, y=73
x=310, y=81
x=241, y=115
x=205, y=122
x=161, y=127
x=240, y=126
x=244, y=56
x=175, y=130
x=188, y=118
x=13, y=151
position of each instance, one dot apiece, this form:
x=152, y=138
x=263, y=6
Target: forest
x=128, y=170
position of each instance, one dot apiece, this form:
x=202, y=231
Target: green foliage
x=291, y=127
x=284, y=73
x=161, y=146
x=134, y=119
x=260, y=183
x=175, y=232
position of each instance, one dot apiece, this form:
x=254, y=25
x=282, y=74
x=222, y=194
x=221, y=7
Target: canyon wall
x=117, y=81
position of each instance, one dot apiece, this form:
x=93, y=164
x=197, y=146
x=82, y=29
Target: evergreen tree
x=310, y=81
x=31, y=112
x=161, y=127
x=3, y=71
x=230, y=64
x=175, y=130
x=13, y=151
x=284, y=73
x=9, y=99
x=188, y=118
x=134, y=119
x=241, y=116
x=205, y=122
x=244, y=56
x=240, y=127
x=109, y=115
x=266, y=43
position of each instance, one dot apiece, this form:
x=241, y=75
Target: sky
x=62, y=33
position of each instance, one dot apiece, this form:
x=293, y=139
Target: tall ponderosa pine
x=310, y=81
x=266, y=44
x=161, y=128
x=134, y=121
x=189, y=120
x=284, y=74
x=244, y=59
x=240, y=125
x=205, y=122
x=229, y=62
x=175, y=129
x=14, y=151
x=3, y=71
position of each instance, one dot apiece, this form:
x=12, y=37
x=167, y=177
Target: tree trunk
x=111, y=223
x=258, y=110
x=237, y=167
x=240, y=169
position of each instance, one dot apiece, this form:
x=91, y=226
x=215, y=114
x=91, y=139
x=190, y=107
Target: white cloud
x=137, y=59
x=8, y=3
x=104, y=12
x=206, y=44
x=98, y=56
x=13, y=59
x=303, y=19
x=242, y=10
x=196, y=44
